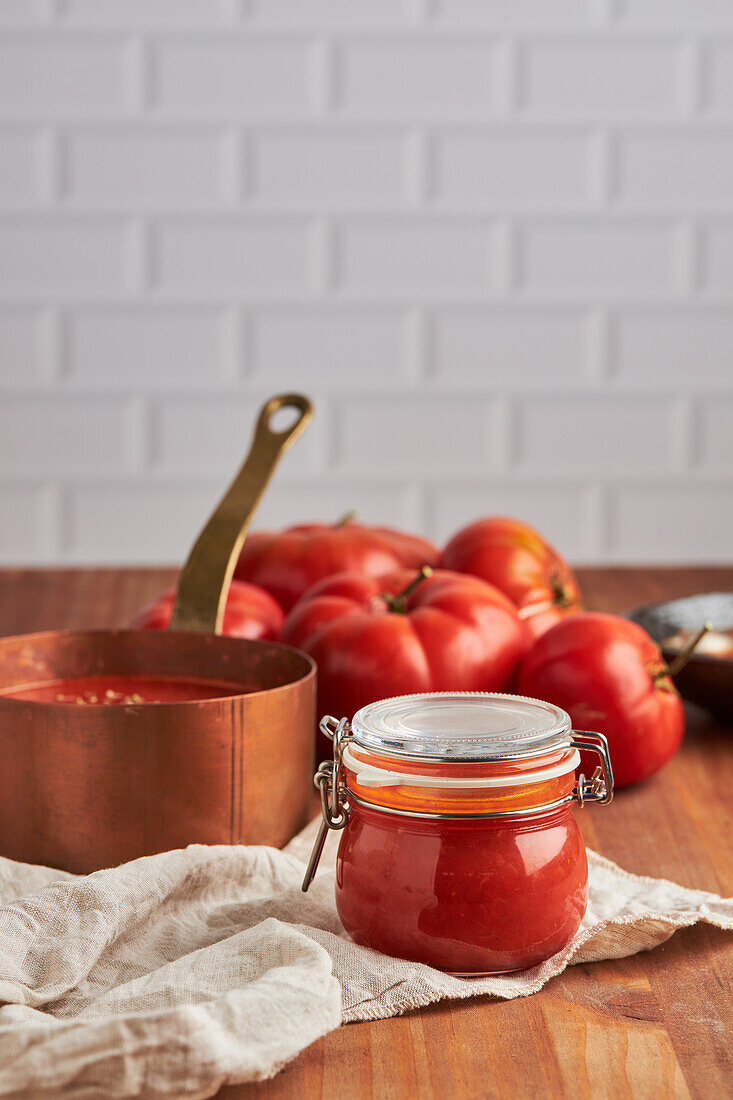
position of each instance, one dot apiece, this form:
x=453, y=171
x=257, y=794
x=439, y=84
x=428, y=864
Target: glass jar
x=459, y=847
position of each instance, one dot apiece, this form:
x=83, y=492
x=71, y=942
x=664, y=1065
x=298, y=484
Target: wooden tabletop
x=657, y=1025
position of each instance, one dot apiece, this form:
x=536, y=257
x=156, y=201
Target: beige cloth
x=178, y=973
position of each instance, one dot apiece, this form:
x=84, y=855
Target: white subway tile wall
x=492, y=238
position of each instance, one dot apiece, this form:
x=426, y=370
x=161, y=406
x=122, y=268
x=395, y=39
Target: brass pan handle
x=204, y=584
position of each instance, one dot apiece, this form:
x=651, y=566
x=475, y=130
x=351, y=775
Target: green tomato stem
x=398, y=603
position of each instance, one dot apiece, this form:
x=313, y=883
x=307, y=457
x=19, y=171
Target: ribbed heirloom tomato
x=250, y=613
x=516, y=559
x=372, y=637
x=610, y=677
x=288, y=562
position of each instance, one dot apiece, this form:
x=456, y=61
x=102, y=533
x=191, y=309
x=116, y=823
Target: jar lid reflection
x=461, y=726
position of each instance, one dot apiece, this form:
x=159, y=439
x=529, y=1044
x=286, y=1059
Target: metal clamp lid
x=329, y=779
x=335, y=807
x=599, y=788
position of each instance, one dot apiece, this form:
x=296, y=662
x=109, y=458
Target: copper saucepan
x=90, y=786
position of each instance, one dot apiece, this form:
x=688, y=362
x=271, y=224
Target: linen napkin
x=178, y=973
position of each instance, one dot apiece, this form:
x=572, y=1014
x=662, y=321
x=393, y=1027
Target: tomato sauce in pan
x=108, y=690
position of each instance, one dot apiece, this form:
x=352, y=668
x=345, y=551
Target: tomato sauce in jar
x=459, y=846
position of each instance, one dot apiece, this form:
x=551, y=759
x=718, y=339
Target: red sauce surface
x=124, y=690
x=471, y=896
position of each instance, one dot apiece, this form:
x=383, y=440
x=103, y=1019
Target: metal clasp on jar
x=599, y=788
x=329, y=779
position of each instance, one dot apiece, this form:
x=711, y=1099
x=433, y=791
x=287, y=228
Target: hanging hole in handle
x=284, y=419
x=284, y=414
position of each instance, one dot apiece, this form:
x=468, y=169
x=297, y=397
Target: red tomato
x=288, y=562
x=373, y=637
x=516, y=559
x=610, y=677
x=250, y=613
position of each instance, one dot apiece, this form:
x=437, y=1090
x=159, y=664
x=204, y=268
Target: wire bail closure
x=329, y=779
x=335, y=808
x=599, y=788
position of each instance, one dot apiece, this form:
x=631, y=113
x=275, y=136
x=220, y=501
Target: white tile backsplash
x=493, y=240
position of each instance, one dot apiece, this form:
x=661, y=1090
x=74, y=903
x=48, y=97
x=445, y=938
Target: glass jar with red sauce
x=459, y=847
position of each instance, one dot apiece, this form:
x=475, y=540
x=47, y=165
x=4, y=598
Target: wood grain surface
x=657, y=1025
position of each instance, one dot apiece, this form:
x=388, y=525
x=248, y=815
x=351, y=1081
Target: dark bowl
x=705, y=680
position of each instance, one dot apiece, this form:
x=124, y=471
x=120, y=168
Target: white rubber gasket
x=367, y=775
